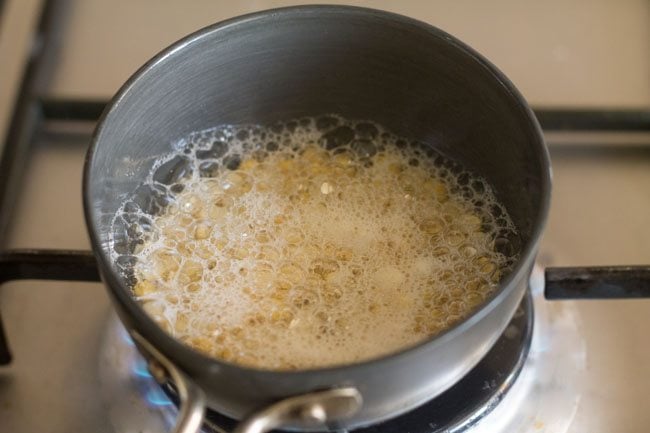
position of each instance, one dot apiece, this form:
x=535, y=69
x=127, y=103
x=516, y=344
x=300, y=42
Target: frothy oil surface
x=314, y=243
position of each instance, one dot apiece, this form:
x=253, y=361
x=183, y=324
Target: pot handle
x=192, y=401
x=604, y=282
x=315, y=409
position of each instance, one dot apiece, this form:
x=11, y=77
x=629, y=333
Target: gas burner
x=520, y=385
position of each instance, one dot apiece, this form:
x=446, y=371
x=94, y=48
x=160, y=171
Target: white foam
x=305, y=258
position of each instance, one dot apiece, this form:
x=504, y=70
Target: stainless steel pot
x=412, y=78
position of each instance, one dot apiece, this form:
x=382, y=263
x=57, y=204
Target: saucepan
x=415, y=80
x=408, y=76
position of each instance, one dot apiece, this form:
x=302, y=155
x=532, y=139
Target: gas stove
x=562, y=366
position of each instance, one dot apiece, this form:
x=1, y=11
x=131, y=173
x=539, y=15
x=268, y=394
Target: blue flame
x=126, y=337
x=157, y=397
x=140, y=369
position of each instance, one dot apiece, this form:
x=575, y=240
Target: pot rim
x=153, y=333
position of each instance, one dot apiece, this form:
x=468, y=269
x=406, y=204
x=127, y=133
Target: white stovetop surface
x=559, y=53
